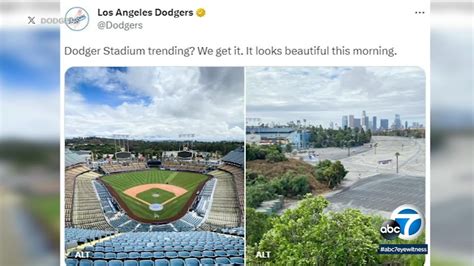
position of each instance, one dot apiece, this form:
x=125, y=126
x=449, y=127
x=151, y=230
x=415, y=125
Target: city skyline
x=321, y=95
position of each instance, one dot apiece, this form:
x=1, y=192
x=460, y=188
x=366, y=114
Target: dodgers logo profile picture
x=77, y=18
x=406, y=222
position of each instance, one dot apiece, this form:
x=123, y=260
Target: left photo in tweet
x=154, y=166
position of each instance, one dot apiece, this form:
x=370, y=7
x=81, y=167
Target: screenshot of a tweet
x=243, y=132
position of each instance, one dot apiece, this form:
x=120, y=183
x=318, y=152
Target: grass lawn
x=148, y=195
x=123, y=181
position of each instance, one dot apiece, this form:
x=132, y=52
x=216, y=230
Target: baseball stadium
x=154, y=163
x=132, y=211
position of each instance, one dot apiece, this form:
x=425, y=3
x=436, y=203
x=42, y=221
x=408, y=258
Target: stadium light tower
x=189, y=137
x=122, y=141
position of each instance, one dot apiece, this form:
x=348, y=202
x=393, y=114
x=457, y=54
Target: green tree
x=258, y=193
x=330, y=173
x=274, y=156
x=289, y=148
x=307, y=236
x=256, y=225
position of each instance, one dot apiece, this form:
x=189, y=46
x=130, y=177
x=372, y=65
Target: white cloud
x=324, y=94
x=205, y=101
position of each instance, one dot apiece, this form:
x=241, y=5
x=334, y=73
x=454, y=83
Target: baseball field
x=138, y=190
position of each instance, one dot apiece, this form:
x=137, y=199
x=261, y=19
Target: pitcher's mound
x=156, y=207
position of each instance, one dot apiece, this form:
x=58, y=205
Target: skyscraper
x=374, y=123
x=357, y=123
x=384, y=124
x=345, y=121
x=351, y=121
x=406, y=124
x=364, y=121
x=397, y=123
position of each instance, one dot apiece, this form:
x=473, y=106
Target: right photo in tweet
x=335, y=165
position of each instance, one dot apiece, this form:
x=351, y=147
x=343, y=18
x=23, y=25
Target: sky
x=155, y=103
x=324, y=94
x=29, y=84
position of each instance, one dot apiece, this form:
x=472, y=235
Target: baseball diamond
x=136, y=191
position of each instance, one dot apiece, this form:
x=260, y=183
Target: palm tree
x=396, y=155
x=375, y=148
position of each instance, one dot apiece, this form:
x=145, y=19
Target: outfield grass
x=148, y=195
x=124, y=181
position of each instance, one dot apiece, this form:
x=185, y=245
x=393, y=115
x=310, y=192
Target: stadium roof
x=72, y=158
x=236, y=157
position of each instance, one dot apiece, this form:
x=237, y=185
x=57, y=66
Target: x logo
x=32, y=20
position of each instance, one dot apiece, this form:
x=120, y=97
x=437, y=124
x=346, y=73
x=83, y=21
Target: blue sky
x=29, y=83
x=29, y=59
x=111, y=91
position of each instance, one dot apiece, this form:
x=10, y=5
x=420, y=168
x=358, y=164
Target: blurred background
x=452, y=138
x=29, y=134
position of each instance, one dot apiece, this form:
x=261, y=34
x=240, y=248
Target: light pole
x=396, y=155
x=375, y=148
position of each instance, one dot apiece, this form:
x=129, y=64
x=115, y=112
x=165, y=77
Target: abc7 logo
x=406, y=222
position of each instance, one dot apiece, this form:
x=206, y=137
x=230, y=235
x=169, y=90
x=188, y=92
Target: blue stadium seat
x=232, y=253
x=98, y=255
x=198, y=248
x=115, y=263
x=208, y=254
x=85, y=263
x=162, y=262
x=220, y=253
x=158, y=255
x=109, y=249
x=146, y=263
x=101, y=249
x=71, y=262
x=88, y=248
x=130, y=263
x=133, y=255
x=207, y=261
x=183, y=254
x=171, y=254
x=138, y=248
x=222, y=260
x=146, y=255
x=188, y=248
x=191, y=262
x=237, y=260
x=110, y=256
x=195, y=254
x=100, y=263
x=128, y=249
x=176, y=262
x=158, y=248
x=122, y=255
